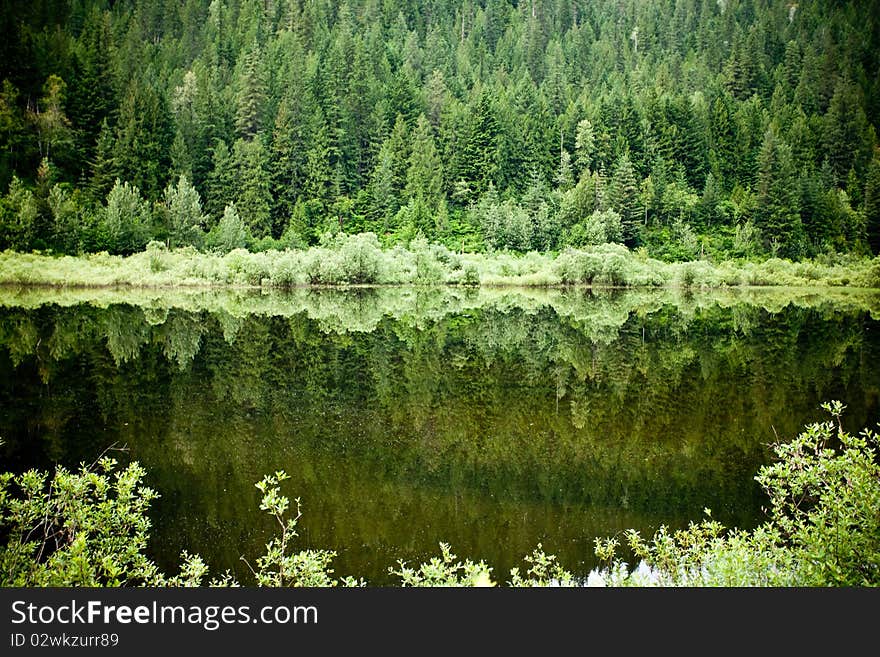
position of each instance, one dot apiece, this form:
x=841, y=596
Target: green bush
x=88, y=528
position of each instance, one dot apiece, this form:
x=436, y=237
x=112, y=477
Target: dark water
x=490, y=420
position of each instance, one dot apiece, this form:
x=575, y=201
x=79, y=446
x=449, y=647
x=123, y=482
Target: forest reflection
x=491, y=419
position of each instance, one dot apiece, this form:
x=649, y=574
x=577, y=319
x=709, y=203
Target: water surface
x=493, y=420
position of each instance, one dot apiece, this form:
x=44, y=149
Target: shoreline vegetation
x=360, y=260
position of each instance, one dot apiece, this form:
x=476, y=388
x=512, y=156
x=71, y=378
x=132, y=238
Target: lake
x=490, y=419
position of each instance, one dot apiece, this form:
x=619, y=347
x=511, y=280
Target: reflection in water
x=492, y=420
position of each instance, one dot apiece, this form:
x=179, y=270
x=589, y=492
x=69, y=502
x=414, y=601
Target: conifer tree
x=126, y=218
x=253, y=196
x=104, y=169
x=778, y=217
x=424, y=178
x=623, y=198
x=220, y=186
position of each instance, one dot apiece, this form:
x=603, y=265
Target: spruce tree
x=845, y=128
x=623, y=198
x=424, y=177
x=778, y=215
x=253, y=197
x=220, y=186
x=104, y=169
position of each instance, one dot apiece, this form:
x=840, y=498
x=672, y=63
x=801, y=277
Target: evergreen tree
x=230, y=232
x=104, y=169
x=253, y=196
x=585, y=146
x=221, y=188
x=92, y=92
x=143, y=139
x=424, y=178
x=287, y=163
x=250, y=95
x=845, y=130
x=480, y=150
x=318, y=172
x=384, y=202
x=623, y=198
x=778, y=217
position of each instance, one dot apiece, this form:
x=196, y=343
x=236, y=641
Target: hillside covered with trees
x=694, y=128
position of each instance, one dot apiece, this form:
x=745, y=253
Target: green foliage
x=399, y=120
x=19, y=216
x=183, y=213
x=88, y=528
x=279, y=566
x=230, y=232
x=360, y=260
x=600, y=227
x=824, y=493
x=544, y=570
x=444, y=570
x=127, y=219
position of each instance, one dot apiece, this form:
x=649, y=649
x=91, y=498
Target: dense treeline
x=719, y=128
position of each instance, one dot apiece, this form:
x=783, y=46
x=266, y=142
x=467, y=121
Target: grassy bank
x=360, y=260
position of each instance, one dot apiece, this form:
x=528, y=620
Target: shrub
x=360, y=258
x=76, y=529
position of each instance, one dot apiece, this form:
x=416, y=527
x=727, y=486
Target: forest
x=694, y=129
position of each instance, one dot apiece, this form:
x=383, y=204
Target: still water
x=492, y=420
